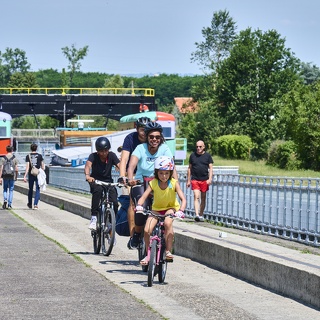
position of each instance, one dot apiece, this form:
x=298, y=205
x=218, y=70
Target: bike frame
x=106, y=224
x=147, y=205
x=159, y=265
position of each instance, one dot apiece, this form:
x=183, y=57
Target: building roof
x=186, y=104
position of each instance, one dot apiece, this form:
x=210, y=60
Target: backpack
x=122, y=225
x=8, y=168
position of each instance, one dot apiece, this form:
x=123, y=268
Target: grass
x=259, y=168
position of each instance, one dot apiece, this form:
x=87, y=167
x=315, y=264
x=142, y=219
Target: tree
x=28, y=122
x=259, y=70
x=218, y=39
x=203, y=125
x=309, y=73
x=12, y=61
x=74, y=56
x=20, y=80
x=114, y=82
x=48, y=78
x=300, y=116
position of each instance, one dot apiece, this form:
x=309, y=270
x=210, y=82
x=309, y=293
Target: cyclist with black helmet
x=98, y=167
x=131, y=141
x=142, y=159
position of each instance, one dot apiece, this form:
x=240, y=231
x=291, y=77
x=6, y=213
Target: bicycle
x=157, y=249
x=141, y=247
x=104, y=235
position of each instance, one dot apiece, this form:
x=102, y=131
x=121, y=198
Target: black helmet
x=142, y=122
x=102, y=143
x=152, y=126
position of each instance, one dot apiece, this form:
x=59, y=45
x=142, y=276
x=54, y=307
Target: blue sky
x=145, y=36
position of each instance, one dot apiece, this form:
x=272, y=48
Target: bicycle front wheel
x=142, y=252
x=152, y=263
x=109, y=231
x=162, y=264
x=96, y=236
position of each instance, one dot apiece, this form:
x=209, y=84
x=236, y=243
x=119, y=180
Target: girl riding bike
x=143, y=158
x=164, y=188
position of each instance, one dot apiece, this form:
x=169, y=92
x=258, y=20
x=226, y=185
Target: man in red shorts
x=200, y=177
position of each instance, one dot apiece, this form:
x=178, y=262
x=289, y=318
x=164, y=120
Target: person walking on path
x=131, y=141
x=34, y=159
x=8, y=175
x=200, y=177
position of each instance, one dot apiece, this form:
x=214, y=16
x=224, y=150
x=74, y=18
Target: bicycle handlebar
x=156, y=215
x=108, y=184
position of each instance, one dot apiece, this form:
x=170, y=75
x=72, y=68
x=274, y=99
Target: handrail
x=147, y=92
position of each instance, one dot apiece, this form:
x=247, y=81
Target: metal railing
x=147, y=92
x=283, y=207
x=34, y=133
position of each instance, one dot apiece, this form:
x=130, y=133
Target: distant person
x=8, y=174
x=98, y=167
x=33, y=159
x=131, y=141
x=200, y=177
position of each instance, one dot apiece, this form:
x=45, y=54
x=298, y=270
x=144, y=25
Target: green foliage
x=233, y=147
x=309, y=73
x=114, y=82
x=29, y=122
x=203, y=125
x=12, y=61
x=167, y=87
x=260, y=168
x=282, y=154
x=20, y=80
x=49, y=78
x=74, y=56
x=301, y=114
x=16, y=81
x=217, y=42
x=247, y=88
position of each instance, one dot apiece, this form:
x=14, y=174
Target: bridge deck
x=69, y=102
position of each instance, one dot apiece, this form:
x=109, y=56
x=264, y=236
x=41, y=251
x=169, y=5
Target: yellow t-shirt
x=164, y=199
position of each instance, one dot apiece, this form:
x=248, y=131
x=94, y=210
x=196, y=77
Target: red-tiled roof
x=186, y=105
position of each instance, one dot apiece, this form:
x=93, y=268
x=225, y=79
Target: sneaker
x=129, y=244
x=169, y=256
x=201, y=219
x=9, y=207
x=197, y=218
x=35, y=207
x=93, y=223
x=134, y=241
x=29, y=205
x=4, y=206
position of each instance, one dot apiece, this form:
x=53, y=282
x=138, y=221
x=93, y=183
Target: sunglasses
x=199, y=146
x=154, y=137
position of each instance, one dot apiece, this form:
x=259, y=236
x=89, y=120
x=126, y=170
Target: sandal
x=169, y=255
x=144, y=261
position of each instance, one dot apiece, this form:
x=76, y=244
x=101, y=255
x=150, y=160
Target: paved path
x=41, y=280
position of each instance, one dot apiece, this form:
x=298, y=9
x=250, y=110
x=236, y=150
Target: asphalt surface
x=48, y=271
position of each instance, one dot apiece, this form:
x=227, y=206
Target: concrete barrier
x=283, y=275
